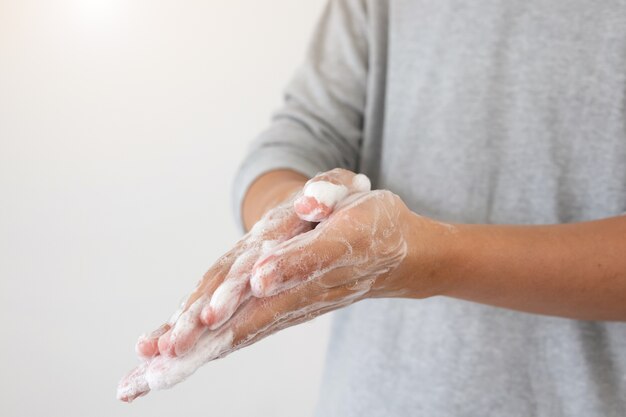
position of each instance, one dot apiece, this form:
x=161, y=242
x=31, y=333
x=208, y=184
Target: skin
x=576, y=270
x=267, y=191
x=167, y=339
x=572, y=270
x=266, y=194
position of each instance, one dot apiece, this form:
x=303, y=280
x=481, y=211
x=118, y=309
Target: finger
x=147, y=345
x=166, y=347
x=212, y=278
x=322, y=193
x=164, y=372
x=232, y=291
x=280, y=325
x=188, y=328
x=280, y=223
x=177, y=343
x=261, y=317
x=235, y=288
x=220, y=292
x=300, y=259
x=134, y=384
x=257, y=319
x=225, y=301
x=332, y=293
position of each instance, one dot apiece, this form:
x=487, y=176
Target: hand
x=226, y=285
x=371, y=241
x=223, y=287
x=366, y=248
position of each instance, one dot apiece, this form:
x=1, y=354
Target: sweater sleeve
x=319, y=126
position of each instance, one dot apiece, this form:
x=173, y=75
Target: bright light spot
x=98, y=14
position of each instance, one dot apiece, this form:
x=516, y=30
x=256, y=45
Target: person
x=489, y=262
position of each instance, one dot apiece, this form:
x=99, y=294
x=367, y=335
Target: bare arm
x=268, y=191
x=371, y=245
x=571, y=270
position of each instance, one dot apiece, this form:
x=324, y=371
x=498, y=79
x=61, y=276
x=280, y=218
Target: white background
x=121, y=125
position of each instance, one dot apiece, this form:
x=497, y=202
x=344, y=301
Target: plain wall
x=122, y=123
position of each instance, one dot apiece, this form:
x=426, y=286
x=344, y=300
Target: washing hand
x=367, y=245
x=226, y=285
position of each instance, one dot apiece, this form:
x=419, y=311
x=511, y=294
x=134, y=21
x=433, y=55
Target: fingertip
x=263, y=286
x=325, y=195
x=147, y=343
x=129, y=398
x=361, y=183
x=207, y=317
x=133, y=384
x=186, y=342
x=217, y=323
x=184, y=333
x=182, y=346
x=256, y=286
x=218, y=317
x=146, y=347
x=309, y=209
x=264, y=276
x=165, y=344
x=304, y=204
x=138, y=395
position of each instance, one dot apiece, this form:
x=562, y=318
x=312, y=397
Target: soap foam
x=277, y=227
x=361, y=183
x=326, y=192
x=162, y=372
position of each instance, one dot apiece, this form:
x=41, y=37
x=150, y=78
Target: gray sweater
x=494, y=111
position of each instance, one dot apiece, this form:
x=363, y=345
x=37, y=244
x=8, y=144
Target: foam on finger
x=361, y=183
x=187, y=327
x=162, y=372
x=319, y=198
x=326, y=192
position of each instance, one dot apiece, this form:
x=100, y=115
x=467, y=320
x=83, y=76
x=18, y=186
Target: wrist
x=436, y=256
x=267, y=191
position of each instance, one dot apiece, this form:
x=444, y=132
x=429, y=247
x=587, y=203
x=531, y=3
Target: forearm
x=573, y=270
x=267, y=191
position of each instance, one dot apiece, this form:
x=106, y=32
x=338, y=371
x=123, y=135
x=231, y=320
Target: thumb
x=322, y=193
